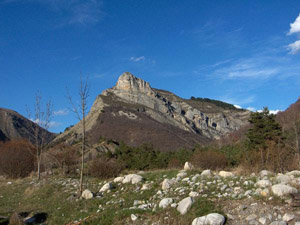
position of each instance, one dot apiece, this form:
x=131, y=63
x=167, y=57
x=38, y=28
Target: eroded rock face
x=149, y=114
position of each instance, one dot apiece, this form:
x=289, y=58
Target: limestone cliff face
x=135, y=113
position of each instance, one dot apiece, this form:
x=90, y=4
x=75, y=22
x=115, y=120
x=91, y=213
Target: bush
x=105, y=168
x=17, y=158
x=209, y=159
x=63, y=157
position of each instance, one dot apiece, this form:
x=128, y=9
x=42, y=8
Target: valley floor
x=250, y=199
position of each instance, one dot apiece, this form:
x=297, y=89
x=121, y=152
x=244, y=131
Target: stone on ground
x=188, y=166
x=132, y=178
x=226, y=174
x=87, y=194
x=282, y=190
x=184, y=205
x=106, y=187
x=164, y=203
x=210, y=219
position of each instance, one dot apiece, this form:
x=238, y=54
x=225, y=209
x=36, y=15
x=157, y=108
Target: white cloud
x=239, y=101
x=251, y=109
x=294, y=47
x=274, y=111
x=61, y=112
x=137, y=59
x=237, y=106
x=42, y=123
x=295, y=27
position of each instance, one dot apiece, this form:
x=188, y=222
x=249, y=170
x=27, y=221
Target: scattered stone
x=265, y=173
x=184, y=205
x=164, y=203
x=167, y=183
x=193, y=194
x=145, y=187
x=87, y=194
x=181, y=174
x=282, y=190
x=133, y=178
x=106, y=187
x=226, y=174
x=188, y=166
x=283, y=179
x=251, y=217
x=262, y=220
x=206, y=173
x=263, y=183
x=278, y=223
x=288, y=217
x=133, y=217
x=118, y=179
x=210, y=219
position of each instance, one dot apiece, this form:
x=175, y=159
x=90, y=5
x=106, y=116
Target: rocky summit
x=135, y=113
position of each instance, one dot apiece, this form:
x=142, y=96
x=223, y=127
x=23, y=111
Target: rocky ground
x=160, y=197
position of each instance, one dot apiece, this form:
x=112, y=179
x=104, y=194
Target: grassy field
x=54, y=201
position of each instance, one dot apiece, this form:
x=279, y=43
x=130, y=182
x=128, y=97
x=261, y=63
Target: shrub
x=105, y=168
x=63, y=157
x=209, y=159
x=17, y=159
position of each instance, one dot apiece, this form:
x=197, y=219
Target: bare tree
x=80, y=111
x=42, y=118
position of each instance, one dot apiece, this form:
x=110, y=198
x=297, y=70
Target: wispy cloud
x=61, y=112
x=137, y=59
x=70, y=11
x=294, y=29
x=238, y=102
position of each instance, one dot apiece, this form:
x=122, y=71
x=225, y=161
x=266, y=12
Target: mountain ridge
x=135, y=113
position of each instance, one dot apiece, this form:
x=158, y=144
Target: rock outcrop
x=135, y=113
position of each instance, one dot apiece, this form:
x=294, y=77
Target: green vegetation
x=218, y=103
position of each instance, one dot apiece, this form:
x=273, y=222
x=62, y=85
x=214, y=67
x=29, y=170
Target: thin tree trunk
x=82, y=151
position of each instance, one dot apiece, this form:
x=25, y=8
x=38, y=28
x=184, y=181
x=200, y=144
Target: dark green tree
x=264, y=130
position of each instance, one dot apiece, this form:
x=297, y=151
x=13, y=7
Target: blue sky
x=243, y=52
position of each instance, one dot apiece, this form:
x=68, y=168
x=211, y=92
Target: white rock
x=188, y=166
x=193, y=194
x=133, y=217
x=210, y=219
x=106, y=187
x=263, y=183
x=133, y=178
x=251, y=217
x=294, y=173
x=181, y=174
x=145, y=187
x=184, y=205
x=164, y=203
x=282, y=190
x=265, y=173
x=167, y=183
x=262, y=220
x=87, y=194
x=288, y=217
x=206, y=173
x=226, y=174
x=118, y=179
x=278, y=223
x=9, y=182
x=283, y=179
x=194, y=178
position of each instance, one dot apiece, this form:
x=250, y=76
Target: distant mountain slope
x=135, y=113
x=15, y=126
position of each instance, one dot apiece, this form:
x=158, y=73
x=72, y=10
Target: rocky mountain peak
x=129, y=83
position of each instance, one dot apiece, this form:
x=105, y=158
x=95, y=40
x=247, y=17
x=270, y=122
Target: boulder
x=206, y=173
x=282, y=190
x=288, y=217
x=193, y=194
x=226, y=174
x=184, y=205
x=263, y=183
x=188, y=166
x=182, y=174
x=118, y=179
x=87, y=194
x=164, y=203
x=167, y=183
x=294, y=173
x=145, y=187
x=210, y=219
x=106, y=187
x=265, y=173
x=283, y=179
x=133, y=178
